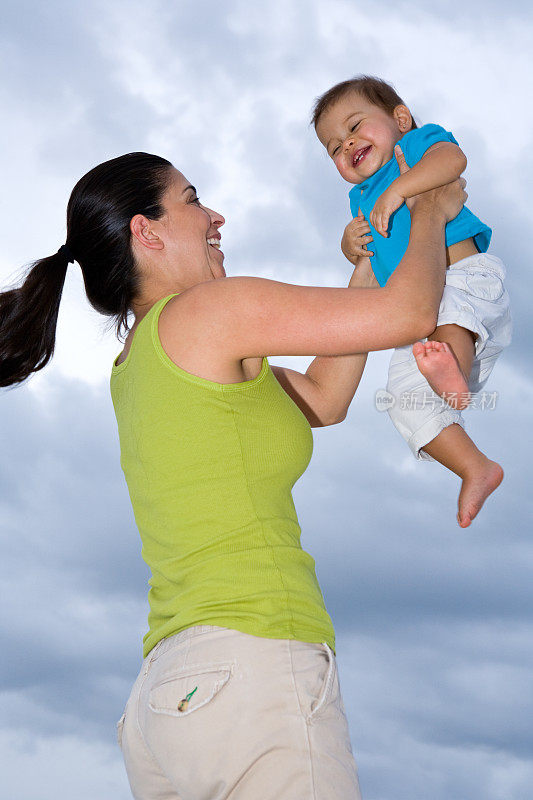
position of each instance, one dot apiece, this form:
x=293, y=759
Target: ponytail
x=28, y=320
x=99, y=211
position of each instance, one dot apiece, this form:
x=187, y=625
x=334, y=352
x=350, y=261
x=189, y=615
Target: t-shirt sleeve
x=415, y=143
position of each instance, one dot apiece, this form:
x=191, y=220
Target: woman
x=238, y=694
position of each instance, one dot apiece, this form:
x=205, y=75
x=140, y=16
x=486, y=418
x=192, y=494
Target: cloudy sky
x=434, y=623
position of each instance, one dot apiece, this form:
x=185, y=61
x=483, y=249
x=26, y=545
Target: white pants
x=264, y=719
x=474, y=297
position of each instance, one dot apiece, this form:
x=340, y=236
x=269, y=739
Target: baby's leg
x=445, y=360
x=474, y=298
x=454, y=448
x=434, y=431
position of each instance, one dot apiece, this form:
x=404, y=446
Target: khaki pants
x=216, y=714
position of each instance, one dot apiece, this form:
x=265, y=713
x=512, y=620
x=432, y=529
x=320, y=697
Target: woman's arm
x=441, y=163
x=242, y=317
x=324, y=392
x=245, y=317
x=338, y=377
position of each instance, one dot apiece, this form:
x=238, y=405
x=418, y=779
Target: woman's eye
x=196, y=200
x=354, y=126
x=334, y=152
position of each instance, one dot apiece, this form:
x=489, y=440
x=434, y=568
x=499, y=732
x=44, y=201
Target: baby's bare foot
x=438, y=364
x=476, y=488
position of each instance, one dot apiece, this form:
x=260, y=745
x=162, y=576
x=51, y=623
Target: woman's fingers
x=400, y=158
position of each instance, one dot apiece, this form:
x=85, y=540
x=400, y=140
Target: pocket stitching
x=325, y=690
x=191, y=670
x=486, y=275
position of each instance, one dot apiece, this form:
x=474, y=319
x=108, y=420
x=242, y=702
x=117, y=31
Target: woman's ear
x=141, y=230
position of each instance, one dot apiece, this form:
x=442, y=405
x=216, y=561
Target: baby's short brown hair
x=376, y=91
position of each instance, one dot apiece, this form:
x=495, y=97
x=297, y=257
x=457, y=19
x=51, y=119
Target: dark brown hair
x=99, y=211
x=375, y=90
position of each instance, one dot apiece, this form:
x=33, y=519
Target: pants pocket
x=475, y=280
x=181, y=693
x=485, y=285
x=120, y=728
x=327, y=689
x=315, y=677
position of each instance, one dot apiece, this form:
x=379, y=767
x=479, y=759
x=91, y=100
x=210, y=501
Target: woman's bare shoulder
x=189, y=340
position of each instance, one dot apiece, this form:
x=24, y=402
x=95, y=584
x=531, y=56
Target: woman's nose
x=348, y=143
x=216, y=218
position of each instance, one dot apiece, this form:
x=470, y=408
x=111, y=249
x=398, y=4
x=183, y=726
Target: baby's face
x=360, y=136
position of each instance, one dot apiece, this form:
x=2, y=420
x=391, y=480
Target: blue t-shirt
x=389, y=250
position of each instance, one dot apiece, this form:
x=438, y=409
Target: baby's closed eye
x=351, y=131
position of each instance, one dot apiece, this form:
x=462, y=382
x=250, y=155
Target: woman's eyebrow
x=190, y=186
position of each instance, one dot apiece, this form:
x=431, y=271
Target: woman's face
x=192, y=236
x=181, y=248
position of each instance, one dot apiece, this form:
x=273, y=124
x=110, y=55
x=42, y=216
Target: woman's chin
x=218, y=271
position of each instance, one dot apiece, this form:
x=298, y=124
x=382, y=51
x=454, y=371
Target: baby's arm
x=442, y=163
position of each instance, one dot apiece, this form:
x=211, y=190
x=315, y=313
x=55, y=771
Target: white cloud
x=433, y=623
x=51, y=767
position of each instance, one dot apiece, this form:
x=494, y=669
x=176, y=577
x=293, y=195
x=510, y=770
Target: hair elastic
x=64, y=250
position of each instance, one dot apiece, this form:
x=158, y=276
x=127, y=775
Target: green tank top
x=209, y=469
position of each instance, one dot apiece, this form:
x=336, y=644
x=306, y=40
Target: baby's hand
x=386, y=204
x=355, y=237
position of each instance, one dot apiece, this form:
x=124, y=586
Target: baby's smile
x=360, y=154
x=358, y=136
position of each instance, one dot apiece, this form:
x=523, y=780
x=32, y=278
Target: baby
x=360, y=122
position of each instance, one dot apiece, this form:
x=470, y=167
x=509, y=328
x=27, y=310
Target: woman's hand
x=355, y=238
x=449, y=199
